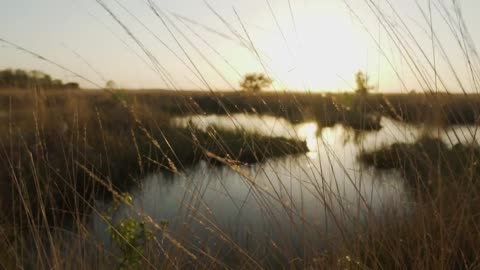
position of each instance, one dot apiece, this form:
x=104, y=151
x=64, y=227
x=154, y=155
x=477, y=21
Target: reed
x=63, y=153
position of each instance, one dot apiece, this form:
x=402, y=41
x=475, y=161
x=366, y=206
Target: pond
x=291, y=201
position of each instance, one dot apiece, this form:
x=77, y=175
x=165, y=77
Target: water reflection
x=282, y=199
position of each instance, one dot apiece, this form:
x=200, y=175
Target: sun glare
x=321, y=53
x=308, y=132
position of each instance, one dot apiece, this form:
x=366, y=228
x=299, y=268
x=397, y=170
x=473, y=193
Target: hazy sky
x=302, y=44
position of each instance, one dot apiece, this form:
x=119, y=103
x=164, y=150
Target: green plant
x=131, y=236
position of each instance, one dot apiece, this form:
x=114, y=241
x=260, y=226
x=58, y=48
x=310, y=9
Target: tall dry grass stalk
x=61, y=152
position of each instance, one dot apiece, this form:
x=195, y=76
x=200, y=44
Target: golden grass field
x=59, y=150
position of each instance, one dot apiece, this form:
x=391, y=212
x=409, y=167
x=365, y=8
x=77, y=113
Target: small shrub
x=130, y=236
x=255, y=82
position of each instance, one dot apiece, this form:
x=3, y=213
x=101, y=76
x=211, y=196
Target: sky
x=313, y=45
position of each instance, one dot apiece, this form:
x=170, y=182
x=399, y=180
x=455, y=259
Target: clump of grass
x=61, y=151
x=64, y=134
x=439, y=230
x=444, y=109
x=56, y=157
x=66, y=150
x=428, y=161
x=328, y=108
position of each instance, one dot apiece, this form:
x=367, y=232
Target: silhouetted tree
x=57, y=84
x=111, y=85
x=255, y=82
x=361, y=80
x=6, y=78
x=31, y=79
x=362, y=91
x=71, y=85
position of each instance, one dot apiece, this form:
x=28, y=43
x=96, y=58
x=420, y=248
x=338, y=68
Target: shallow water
x=289, y=200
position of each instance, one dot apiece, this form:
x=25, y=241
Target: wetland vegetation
x=65, y=154
x=263, y=176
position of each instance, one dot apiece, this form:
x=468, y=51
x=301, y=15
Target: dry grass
x=442, y=230
x=60, y=151
x=63, y=149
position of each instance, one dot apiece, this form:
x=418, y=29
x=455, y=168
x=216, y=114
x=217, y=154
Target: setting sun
x=198, y=45
x=320, y=48
x=239, y=134
x=326, y=56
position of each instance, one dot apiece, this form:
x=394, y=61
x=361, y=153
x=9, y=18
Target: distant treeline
x=22, y=79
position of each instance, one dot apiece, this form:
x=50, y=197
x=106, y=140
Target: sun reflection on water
x=308, y=132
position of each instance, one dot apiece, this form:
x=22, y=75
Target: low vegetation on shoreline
x=429, y=163
x=62, y=149
x=25, y=80
x=64, y=145
x=443, y=221
x=326, y=108
x=112, y=178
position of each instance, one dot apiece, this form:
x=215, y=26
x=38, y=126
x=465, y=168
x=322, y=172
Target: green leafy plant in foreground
x=129, y=235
